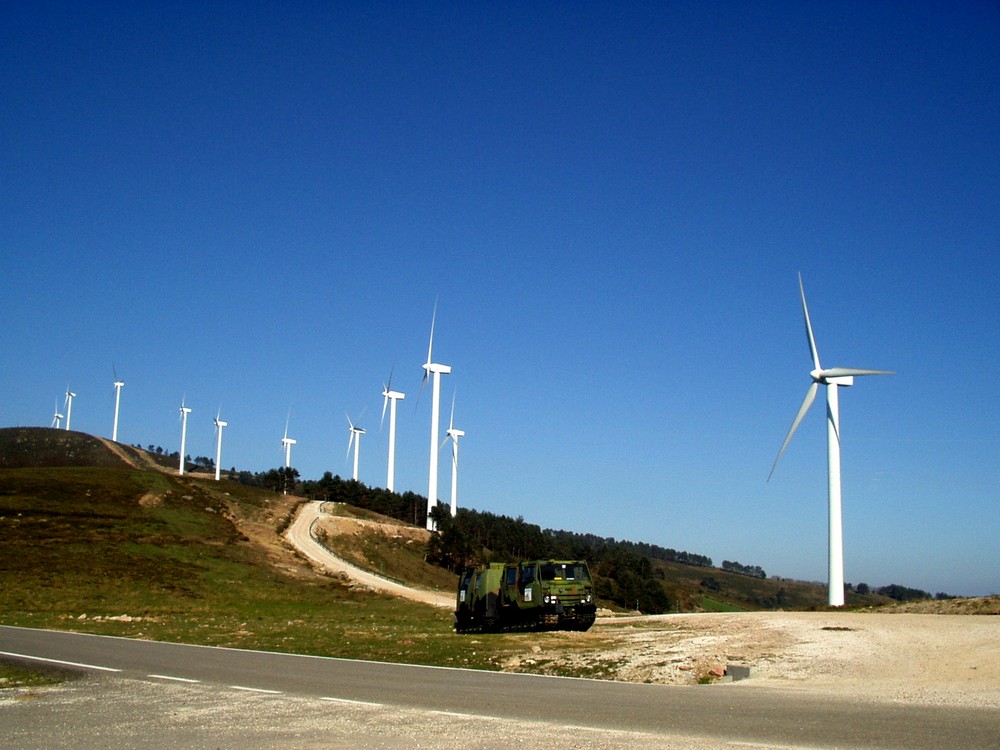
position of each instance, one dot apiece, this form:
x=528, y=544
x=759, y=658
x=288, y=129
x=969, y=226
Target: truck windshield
x=564, y=572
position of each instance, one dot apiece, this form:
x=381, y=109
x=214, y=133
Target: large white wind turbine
x=119, y=384
x=391, y=396
x=56, y=416
x=69, y=405
x=437, y=370
x=355, y=440
x=453, y=435
x=832, y=378
x=185, y=410
x=219, y=424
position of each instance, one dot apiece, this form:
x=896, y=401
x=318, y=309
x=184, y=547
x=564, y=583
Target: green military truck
x=537, y=594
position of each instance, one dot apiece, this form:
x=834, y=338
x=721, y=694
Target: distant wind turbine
x=390, y=396
x=437, y=370
x=219, y=424
x=185, y=410
x=832, y=378
x=453, y=435
x=56, y=416
x=287, y=442
x=119, y=384
x=355, y=440
x=69, y=406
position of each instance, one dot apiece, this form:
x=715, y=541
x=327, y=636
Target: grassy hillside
x=138, y=552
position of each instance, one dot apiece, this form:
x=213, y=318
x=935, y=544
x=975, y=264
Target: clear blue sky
x=255, y=206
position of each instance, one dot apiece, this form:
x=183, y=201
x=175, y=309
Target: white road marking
x=348, y=700
x=169, y=677
x=454, y=714
x=59, y=661
x=255, y=690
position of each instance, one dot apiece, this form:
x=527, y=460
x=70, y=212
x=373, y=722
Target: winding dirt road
x=299, y=536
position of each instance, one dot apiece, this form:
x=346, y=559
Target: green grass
x=713, y=605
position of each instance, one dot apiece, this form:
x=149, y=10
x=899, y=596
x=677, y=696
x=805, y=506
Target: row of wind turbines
x=68, y=405
x=833, y=378
x=432, y=371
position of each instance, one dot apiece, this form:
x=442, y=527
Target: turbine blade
x=809, y=330
x=806, y=403
x=430, y=344
x=385, y=403
x=840, y=372
x=451, y=421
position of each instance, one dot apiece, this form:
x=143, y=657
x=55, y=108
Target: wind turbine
x=832, y=378
x=391, y=396
x=288, y=443
x=119, y=384
x=185, y=410
x=56, y=416
x=454, y=435
x=219, y=424
x=69, y=405
x=437, y=370
x=355, y=440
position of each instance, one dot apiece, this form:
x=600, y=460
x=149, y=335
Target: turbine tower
x=437, y=370
x=833, y=378
x=69, y=405
x=185, y=410
x=119, y=384
x=355, y=440
x=219, y=424
x=454, y=435
x=391, y=396
x=56, y=416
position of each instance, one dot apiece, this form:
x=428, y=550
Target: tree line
x=754, y=571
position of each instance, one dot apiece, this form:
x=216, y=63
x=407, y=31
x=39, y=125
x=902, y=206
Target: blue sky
x=254, y=207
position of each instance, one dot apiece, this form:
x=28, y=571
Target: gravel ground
x=908, y=658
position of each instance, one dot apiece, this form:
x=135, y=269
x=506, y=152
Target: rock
x=737, y=672
x=717, y=671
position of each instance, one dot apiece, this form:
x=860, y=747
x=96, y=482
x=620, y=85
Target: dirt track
x=299, y=536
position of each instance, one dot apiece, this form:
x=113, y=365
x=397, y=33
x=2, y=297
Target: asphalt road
x=737, y=713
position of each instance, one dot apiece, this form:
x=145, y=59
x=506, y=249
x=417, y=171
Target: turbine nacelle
x=435, y=368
